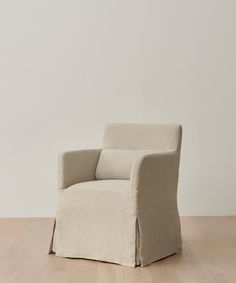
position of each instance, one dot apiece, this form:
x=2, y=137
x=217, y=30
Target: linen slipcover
x=131, y=221
x=117, y=163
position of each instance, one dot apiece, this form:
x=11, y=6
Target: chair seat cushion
x=120, y=186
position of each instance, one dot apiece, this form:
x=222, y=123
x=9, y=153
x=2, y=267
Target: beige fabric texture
x=129, y=222
x=117, y=163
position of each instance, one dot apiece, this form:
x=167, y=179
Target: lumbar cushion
x=117, y=163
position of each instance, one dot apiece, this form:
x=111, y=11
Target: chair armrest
x=77, y=166
x=156, y=172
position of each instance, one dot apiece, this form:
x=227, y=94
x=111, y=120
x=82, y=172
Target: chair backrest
x=142, y=136
x=122, y=143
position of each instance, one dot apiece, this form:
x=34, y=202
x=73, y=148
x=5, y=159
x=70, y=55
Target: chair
x=119, y=203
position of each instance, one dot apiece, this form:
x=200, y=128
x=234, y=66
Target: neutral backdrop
x=67, y=68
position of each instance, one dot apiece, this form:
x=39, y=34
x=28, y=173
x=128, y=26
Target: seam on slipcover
x=137, y=243
x=95, y=177
x=180, y=238
x=50, y=249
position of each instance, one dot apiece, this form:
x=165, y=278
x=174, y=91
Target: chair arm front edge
x=77, y=166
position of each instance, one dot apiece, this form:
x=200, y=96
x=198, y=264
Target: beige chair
x=118, y=203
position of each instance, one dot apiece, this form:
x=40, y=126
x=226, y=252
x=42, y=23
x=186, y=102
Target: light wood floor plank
x=9, y=233
x=9, y=266
x=31, y=269
x=109, y=272
x=83, y=271
x=33, y=238
x=58, y=270
x=137, y=275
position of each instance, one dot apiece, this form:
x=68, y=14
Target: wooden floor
x=209, y=255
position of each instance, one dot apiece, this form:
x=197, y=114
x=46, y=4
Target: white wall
x=69, y=67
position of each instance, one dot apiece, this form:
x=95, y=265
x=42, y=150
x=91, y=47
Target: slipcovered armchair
x=119, y=203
